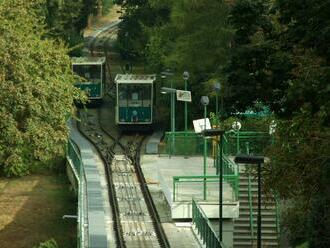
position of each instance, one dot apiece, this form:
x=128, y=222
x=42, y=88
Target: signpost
x=183, y=95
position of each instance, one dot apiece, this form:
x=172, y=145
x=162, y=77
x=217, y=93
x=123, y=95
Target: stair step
x=245, y=200
x=244, y=212
x=263, y=237
x=245, y=224
x=248, y=242
x=246, y=206
x=247, y=231
x=247, y=219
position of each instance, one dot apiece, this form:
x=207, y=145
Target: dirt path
x=31, y=210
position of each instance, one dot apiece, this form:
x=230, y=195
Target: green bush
x=47, y=244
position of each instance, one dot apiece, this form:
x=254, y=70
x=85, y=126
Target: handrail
x=74, y=156
x=204, y=227
x=231, y=179
x=250, y=208
x=277, y=217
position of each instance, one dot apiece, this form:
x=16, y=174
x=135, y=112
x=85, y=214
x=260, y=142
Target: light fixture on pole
x=166, y=90
x=185, y=78
x=236, y=126
x=217, y=88
x=211, y=133
x=205, y=101
x=256, y=160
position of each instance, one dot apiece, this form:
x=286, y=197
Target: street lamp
x=211, y=133
x=166, y=90
x=185, y=78
x=165, y=74
x=205, y=101
x=236, y=126
x=248, y=159
x=217, y=88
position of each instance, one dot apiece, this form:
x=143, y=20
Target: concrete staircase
x=242, y=230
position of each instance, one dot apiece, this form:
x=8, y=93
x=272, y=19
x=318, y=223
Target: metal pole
x=220, y=188
x=217, y=105
x=205, y=151
x=185, y=109
x=259, y=205
x=221, y=102
x=185, y=120
x=237, y=143
x=173, y=121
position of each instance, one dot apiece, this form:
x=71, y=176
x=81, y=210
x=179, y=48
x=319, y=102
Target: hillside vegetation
x=272, y=53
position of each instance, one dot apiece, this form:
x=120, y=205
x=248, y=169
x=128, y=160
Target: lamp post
x=247, y=159
x=236, y=126
x=217, y=88
x=211, y=133
x=205, y=101
x=166, y=90
x=185, y=78
x=165, y=74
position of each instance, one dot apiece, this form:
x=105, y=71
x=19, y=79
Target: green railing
x=277, y=218
x=250, y=208
x=204, y=227
x=190, y=143
x=185, y=144
x=246, y=142
x=194, y=185
x=74, y=155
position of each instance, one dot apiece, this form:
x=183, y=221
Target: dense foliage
x=36, y=90
x=264, y=52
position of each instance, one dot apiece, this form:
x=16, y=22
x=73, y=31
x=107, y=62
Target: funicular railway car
x=92, y=73
x=134, y=101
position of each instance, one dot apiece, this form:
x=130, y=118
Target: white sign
x=199, y=125
x=183, y=95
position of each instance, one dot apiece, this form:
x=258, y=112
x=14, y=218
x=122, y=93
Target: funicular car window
x=89, y=72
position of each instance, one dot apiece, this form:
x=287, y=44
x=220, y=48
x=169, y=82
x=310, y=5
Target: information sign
x=199, y=125
x=183, y=95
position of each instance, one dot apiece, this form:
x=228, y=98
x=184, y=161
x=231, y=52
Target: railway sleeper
x=140, y=233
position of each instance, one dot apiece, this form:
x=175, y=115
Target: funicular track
x=137, y=223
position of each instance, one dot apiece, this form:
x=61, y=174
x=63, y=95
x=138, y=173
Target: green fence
x=192, y=144
x=204, y=227
x=74, y=158
x=184, y=144
x=187, y=187
x=246, y=142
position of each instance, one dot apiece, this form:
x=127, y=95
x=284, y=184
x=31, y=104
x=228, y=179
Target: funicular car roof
x=135, y=78
x=88, y=60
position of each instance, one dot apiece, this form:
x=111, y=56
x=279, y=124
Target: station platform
x=161, y=170
x=98, y=219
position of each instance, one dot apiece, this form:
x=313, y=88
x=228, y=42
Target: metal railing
x=250, y=208
x=230, y=186
x=246, y=142
x=74, y=155
x=204, y=228
x=184, y=144
x=190, y=143
x=277, y=205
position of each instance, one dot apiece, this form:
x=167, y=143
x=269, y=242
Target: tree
x=36, y=90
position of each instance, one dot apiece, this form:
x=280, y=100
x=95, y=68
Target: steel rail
x=162, y=238
x=111, y=188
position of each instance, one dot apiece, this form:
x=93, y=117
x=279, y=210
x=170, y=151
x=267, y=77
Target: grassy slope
x=31, y=210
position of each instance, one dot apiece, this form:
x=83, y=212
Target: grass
x=31, y=210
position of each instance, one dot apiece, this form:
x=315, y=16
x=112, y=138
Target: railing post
x=174, y=182
x=250, y=208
